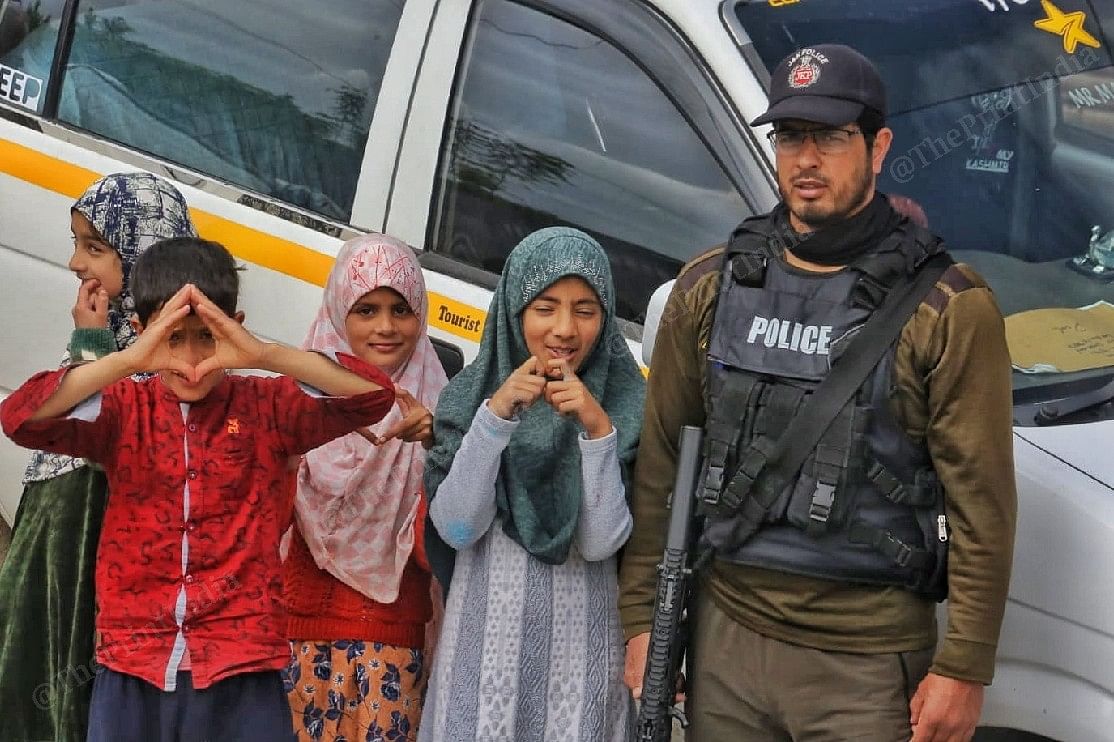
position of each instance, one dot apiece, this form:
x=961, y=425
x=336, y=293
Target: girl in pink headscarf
x=357, y=583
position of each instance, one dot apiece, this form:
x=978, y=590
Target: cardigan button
x=192, y=427
x=192, y=474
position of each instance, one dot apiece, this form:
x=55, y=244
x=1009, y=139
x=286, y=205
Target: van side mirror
x=653, y=319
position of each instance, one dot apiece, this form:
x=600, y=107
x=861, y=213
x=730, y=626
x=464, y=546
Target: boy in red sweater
x=189, y=582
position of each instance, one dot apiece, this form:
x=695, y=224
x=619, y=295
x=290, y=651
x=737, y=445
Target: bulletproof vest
x=866, y=507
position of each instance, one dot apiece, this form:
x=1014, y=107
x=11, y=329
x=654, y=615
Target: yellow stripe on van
x=264, y=249
x=251, y=245
x=44, y=171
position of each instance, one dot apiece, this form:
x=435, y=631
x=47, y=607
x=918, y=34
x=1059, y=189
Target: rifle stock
x=667, y=643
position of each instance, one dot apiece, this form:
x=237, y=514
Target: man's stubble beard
x=816, y=217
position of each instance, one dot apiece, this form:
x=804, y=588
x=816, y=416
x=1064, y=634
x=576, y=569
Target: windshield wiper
x=1050, y=413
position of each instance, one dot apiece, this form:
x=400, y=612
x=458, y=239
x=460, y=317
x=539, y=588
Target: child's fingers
x=564, y=395
x=566, y=402
x=403, y=425
x=372, y=438
x=211, y=315
x=531, y=392
x=197, y=296
x=529, y=367
x=394, y=431
x=537, y=383
x=561, y=366
x=167, y=320
x=181, y=298
x=568, y=407
x=179, y=367
x=414, y=431
x=421, y=435
x=100, y=302
x=558, y=386
x=405, y=400
x=409, y=424
x=224, y=328
x=209, y=365
x=86, y=289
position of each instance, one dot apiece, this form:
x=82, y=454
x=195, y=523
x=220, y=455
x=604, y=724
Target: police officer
x=816, y=617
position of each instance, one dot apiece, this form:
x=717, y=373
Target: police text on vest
x=781, y=333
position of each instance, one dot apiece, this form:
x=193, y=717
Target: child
x=189, y=582
x=46, y=583
x=357, y=583
x=533, y=440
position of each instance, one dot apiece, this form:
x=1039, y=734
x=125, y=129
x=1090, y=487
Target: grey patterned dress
x=529, y=651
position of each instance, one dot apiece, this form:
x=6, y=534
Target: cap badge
x=804, y=74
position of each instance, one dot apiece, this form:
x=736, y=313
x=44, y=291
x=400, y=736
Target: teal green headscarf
x=539, y=488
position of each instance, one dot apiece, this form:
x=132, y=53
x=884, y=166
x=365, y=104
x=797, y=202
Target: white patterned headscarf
x=131, y=212
x=359, y=506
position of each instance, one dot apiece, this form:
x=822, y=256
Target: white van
x=462, y=125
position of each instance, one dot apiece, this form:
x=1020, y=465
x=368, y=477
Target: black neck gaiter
x=843, y=242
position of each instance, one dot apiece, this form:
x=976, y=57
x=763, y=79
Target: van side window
x=275, y=97
x=28, y=34
x=551, y=125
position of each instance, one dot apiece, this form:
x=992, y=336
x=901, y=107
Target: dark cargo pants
x=745, y=686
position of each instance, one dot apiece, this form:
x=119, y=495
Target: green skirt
x=47, y=606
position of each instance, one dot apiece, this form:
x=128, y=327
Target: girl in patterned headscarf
x=526, y=482
x=357, y=582
x=46, y=582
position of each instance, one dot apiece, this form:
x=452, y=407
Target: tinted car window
x=276, y=97
x=1002, y=135
x=551, y=125
x=28, y=33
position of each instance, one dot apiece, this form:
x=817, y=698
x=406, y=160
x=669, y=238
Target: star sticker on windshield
x=1067, y=25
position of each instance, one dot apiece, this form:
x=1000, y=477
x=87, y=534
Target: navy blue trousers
x=243, y=708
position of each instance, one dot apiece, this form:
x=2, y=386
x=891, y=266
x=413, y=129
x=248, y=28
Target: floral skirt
x=354, y=691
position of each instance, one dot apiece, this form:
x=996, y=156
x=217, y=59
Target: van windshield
x=1003, y=120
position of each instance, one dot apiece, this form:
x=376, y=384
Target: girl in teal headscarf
x=533, y=443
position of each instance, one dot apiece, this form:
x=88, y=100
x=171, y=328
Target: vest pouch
x=818, y=506
x=744, y=474
x=819, y=501
x=793, y=505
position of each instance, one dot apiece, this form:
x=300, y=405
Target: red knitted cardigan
x=322, y=608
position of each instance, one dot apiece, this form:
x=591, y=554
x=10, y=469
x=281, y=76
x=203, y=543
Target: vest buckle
x=821, y=507
x=713, y=484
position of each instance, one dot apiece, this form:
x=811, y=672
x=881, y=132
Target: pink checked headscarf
x=357, y=504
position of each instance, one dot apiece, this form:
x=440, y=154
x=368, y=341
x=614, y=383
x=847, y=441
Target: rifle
x=667, y=639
